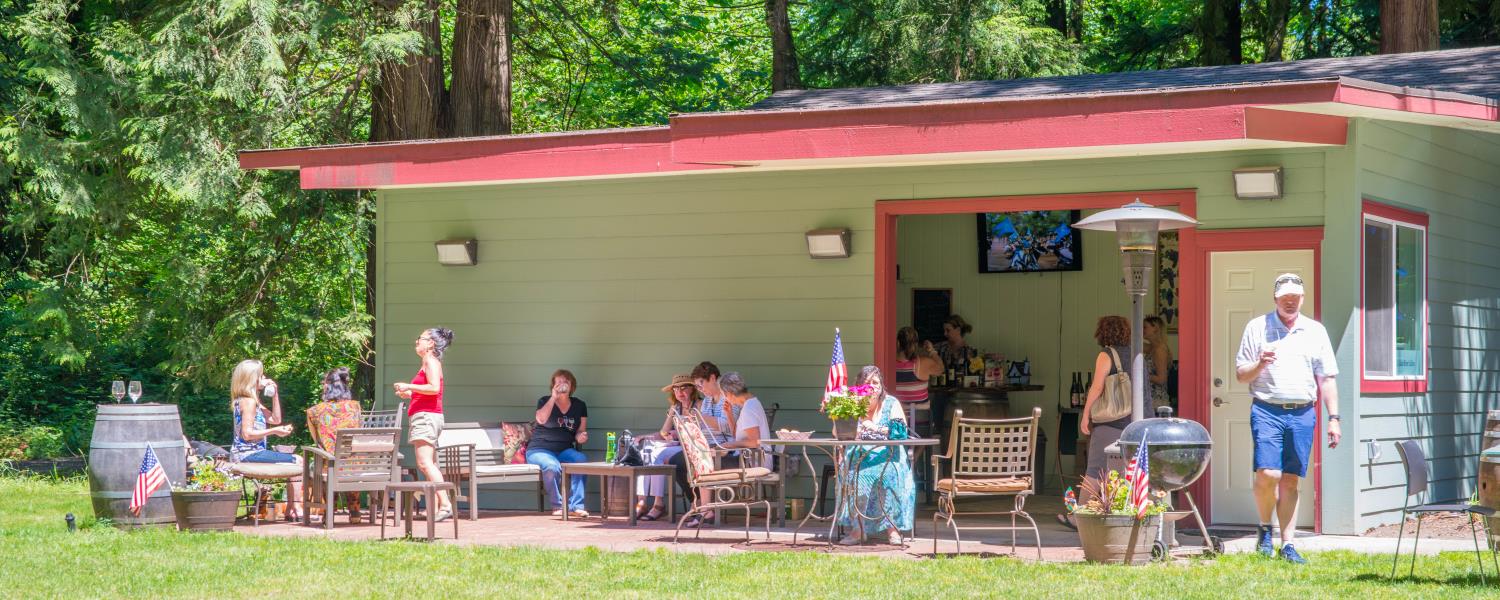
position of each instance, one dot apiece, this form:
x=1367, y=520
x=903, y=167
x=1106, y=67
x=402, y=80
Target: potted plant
x=845, y=408
x=1113, y=529
x=207, y=501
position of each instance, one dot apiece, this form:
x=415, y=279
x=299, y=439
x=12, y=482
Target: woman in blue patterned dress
x=884, y=494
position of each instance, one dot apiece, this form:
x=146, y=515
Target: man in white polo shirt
x=1288, y=361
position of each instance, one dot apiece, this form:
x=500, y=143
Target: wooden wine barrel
x=1489, y=486
x=1491, y=431
x=121, y=433
x=620, y=496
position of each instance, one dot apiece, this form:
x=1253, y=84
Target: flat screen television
x=1030, y=241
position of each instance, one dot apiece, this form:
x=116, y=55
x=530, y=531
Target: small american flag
x=151, y=477
x=838, y=374
x=1139, y=474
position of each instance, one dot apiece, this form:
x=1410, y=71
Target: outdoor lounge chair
x=363, y=460
x=721, y=488
x=989, y=457
x=1415, y=462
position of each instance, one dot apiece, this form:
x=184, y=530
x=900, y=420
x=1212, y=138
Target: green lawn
x=41, y=559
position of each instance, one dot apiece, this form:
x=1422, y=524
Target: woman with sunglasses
x=425, y=413
x=682, y=401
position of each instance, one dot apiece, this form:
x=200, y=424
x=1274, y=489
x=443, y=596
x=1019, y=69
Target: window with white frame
x=1395, y=298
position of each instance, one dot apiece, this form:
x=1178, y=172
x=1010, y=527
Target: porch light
x=458, y=253
x=830, y=242
x=1136, y=225
x=1257, y=183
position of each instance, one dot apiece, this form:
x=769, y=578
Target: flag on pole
x=838, y=373
x=1139, y=474
x=151, y=478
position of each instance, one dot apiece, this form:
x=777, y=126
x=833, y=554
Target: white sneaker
x=852, y=540
x=894, y=538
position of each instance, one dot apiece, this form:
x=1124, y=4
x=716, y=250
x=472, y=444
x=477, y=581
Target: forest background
x=133, y=247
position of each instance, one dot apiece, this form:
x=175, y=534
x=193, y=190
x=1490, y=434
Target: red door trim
x=1195, y=306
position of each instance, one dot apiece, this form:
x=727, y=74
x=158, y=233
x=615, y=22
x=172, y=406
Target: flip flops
x=1066, y=522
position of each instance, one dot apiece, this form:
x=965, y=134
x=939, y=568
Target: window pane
x=1409, y=293
x=1379, y=338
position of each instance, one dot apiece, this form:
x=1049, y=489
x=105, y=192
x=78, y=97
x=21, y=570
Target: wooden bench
x=484, y=461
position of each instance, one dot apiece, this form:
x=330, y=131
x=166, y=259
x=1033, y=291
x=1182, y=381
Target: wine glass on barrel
x=117, y=389
x=135, y=392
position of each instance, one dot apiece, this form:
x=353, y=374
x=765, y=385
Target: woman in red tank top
x=425, y=392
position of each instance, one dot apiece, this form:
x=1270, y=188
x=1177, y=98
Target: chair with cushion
x=494, y=452
x=261, y=476
x=363, y=460
x=720, y=488
x=987, y=457
x=1415, y=463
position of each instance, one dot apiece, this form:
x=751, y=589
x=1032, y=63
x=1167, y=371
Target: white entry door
x=1240, y=290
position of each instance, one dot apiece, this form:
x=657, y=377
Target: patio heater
x=1136, y=225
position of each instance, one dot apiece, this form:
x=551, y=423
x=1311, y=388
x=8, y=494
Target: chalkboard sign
x=929, y=307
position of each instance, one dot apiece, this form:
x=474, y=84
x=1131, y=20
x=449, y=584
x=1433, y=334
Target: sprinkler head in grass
x=72, y=522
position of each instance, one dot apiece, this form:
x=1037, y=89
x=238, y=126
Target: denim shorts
x=269, y=456
x=1283, y=437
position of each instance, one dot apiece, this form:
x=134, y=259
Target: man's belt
x=1287, y=404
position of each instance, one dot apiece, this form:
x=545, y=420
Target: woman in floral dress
x=884, y=496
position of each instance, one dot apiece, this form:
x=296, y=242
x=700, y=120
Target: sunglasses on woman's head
x=1289, y=278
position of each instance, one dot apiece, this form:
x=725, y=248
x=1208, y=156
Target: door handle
x=1219, y=402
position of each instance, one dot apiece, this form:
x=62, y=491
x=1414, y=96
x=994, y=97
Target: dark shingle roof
x=1470, y=71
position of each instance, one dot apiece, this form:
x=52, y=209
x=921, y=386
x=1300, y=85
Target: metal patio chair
x=1415, y=462
x=989, y=457
x=722, y=488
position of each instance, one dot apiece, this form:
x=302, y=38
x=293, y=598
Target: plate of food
x=792, y=434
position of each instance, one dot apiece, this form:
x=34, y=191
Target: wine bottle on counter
x=1075, y=391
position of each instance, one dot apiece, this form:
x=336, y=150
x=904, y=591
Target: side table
x=406, y=502
x=606, y=470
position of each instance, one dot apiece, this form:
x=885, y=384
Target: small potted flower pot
x=845, y=429
x=205, y=511
x=1117, y=539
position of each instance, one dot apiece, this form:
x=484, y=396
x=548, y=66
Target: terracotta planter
x=845, y=429
x=1117, y=539
x=205, y=511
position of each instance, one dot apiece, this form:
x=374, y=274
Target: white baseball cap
x=1289, y=283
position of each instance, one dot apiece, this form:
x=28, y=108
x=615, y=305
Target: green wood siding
x=1454, y=177
x=628, y=281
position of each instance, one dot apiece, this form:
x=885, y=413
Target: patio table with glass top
x=847, y=490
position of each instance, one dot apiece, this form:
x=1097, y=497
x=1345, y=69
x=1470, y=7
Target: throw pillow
x=514, y=438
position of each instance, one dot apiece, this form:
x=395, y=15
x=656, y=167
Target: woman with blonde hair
x=253, y=424
x=425, y=393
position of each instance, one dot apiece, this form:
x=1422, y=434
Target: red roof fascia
x=715, y=140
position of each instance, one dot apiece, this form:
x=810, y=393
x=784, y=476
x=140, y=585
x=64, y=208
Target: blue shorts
x=269, y=456
x=1283, y=437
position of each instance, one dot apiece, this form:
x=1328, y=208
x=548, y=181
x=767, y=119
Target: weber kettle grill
x=1178, y=451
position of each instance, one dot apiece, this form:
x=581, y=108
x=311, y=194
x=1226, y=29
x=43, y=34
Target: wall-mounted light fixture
x=1257, y=183
x=458, y=253
x=832, y=242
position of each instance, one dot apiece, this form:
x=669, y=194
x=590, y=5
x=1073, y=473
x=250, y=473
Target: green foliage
x=1112, y=497
x=851, y=403
x=207, y=476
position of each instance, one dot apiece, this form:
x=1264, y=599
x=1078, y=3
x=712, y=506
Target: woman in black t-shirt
x=561, y=422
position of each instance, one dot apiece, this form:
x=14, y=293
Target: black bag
x=627, y=453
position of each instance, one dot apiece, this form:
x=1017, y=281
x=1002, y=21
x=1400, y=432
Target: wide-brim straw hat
x=678, y=379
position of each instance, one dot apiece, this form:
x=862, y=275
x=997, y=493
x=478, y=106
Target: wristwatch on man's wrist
x=1334, y=417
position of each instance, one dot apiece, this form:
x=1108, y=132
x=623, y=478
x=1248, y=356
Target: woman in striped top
x=916, y=361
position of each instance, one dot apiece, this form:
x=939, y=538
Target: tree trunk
x=407, y=103
x=481, y=68
x=784, y=73
x=1075, y=21
x=1057, y=15
x=1408, y=26
x=1273, y=29
x=1219, y=33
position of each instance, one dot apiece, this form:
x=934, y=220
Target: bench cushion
x=728, y=475
x=266, y=470
x=521, y=469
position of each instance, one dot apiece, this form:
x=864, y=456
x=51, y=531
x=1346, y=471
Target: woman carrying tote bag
x=1107, y=409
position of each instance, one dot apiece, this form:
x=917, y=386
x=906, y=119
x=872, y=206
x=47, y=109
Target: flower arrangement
x=207, y=476
x=848, y=403
x=1111, y=497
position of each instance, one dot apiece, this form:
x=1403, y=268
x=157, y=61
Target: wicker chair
x=989, y=457
x=363, y=460
x=722, y=488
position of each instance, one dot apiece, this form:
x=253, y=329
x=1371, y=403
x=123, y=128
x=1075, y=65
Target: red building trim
x=1395, y=385
x=1418, y=102
x=1195, y=309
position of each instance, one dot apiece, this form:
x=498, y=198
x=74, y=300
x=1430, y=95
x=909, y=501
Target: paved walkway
x=1059, y=544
